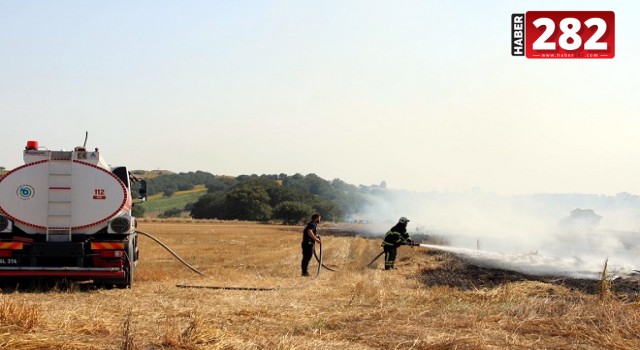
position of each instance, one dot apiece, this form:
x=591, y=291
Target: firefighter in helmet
x=396, y=237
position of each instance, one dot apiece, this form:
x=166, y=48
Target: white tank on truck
x=67, y=215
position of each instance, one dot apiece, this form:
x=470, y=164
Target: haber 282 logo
x=563, y=34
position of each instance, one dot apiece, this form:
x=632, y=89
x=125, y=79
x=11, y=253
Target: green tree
x=137, y=211
x=171, y=213
x=279, y=194
x=329, y=210
x=170, y=189
x=247, y=202
x=317, y=185
x=291, y=212
x=239, y=197
x=221, y=184
x=209, y=206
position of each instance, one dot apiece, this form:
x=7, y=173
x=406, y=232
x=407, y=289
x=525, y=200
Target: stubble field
x=418, y=306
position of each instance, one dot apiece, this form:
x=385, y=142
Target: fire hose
x=320, y=260
x=318, y=257
x=376, y=258
x=174, y=254
x=382, y=252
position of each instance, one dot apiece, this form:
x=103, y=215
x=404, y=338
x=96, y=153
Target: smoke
x=562, y=234
x=530, y=263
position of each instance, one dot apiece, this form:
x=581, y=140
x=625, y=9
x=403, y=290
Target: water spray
x=528, y=263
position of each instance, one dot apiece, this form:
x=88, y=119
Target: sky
x=423, y=95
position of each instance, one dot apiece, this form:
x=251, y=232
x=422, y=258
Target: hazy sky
x=422, y=94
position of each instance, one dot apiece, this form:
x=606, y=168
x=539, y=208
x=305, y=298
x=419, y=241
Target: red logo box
x=569, y=34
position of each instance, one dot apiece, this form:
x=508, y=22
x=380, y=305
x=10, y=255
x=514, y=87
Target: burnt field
x=434, y=300
x=456, y=273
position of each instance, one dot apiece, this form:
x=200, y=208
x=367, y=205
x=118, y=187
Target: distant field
x=151, y=174
x=158, y=203
x=413, y=307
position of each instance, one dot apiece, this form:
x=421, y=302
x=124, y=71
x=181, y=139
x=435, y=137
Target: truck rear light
x=112, y=253
x=5, y=224
x=5, y=253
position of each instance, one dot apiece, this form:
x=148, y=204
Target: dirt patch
x=454, y=272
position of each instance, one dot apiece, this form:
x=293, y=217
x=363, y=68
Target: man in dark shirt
x=309, y=238
x=396, y=237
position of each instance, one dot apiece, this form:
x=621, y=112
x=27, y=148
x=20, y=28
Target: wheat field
x=353, y=308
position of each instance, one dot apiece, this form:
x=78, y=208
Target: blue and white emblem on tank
x=25, y=192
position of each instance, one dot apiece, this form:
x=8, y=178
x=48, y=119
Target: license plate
x=8, y=261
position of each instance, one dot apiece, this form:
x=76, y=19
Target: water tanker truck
x=67, y=215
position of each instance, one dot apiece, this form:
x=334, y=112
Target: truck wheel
x=128, y=278
x=127, y=282
x=129, y=269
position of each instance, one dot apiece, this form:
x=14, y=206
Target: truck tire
x=128, y=278
x=129, y=269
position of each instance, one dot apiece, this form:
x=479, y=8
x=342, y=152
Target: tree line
x=279, y=197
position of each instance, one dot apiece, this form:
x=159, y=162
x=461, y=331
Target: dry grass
x=354, y=308
x=18, y=315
